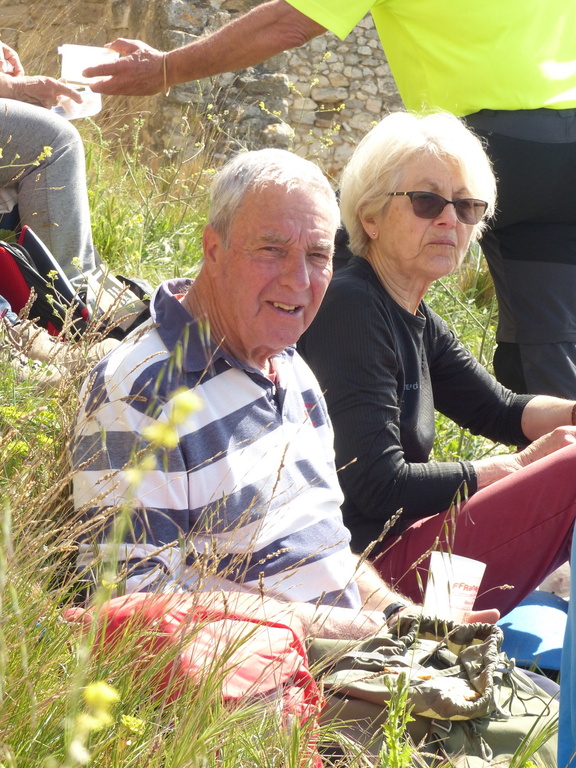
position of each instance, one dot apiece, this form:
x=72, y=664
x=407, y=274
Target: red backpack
x=256, y=645
x=28, y=265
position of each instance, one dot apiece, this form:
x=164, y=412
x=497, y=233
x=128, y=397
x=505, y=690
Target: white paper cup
x=76, y=58
x=68, y=108
x=453, y=583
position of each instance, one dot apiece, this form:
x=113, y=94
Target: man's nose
x=295, y=273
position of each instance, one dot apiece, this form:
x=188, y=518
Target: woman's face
x=407, y=249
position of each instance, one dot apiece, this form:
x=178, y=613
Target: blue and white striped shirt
x=247, y=500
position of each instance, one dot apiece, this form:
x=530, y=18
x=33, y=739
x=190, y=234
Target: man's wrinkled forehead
x=318, y=198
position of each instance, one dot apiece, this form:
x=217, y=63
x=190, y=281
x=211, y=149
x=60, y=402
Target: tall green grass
x=467, y=302
x=147, y=216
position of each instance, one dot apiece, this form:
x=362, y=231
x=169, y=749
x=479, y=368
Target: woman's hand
x=494, y=468
x=559, y=438
x=10, y=61
x=39, y=90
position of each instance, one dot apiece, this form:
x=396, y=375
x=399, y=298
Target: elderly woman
x=414, y=195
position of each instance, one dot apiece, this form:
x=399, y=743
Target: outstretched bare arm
x=254, y=37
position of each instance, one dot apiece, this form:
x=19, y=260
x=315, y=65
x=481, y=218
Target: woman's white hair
x=382, y=157
x=256, y=170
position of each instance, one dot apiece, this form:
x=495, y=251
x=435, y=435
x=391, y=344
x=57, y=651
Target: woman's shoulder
x=443, y=346
x=356, y=282
x=353, y=308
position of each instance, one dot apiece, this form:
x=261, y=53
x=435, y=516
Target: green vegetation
x=146, y=222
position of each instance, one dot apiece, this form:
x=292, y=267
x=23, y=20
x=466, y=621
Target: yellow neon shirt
x=467, y=55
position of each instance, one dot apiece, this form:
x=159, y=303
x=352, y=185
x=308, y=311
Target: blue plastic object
x=534, y=630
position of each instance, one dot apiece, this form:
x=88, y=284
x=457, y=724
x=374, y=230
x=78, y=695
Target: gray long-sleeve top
x=384, y=372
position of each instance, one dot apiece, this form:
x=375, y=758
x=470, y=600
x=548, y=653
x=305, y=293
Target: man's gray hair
x=256, y=170
x=383, y=156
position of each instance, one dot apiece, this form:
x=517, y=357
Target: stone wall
x=341, y=88
x=319, y=99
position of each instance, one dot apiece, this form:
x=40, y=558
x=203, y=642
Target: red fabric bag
x=256, y=645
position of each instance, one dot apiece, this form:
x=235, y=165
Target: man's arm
x=375, y=594
x=254, y=37
x=324, y=621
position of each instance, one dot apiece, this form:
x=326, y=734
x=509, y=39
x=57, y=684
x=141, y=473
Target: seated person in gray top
x=244, y=494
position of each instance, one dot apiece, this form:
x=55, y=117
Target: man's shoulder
x=160, y=353
x=132, y=367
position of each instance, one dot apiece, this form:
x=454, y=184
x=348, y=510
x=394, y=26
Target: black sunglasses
x=429, y=205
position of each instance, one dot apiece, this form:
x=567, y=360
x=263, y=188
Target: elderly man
x=506, y=66
x=246, y=495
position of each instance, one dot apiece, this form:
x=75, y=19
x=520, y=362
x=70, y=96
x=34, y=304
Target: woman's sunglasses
x=429, y=205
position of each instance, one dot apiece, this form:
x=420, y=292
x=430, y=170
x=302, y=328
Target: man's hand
x=488, y=616
x=139, y=72
x=10, y=61
x=42, y=91
x=345, y=623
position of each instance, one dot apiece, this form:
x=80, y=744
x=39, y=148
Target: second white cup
x=453, y=583
x=76, y=58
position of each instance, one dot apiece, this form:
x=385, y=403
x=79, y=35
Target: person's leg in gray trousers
x=51, y=192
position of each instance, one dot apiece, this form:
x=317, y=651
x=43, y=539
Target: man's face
x=270, y=280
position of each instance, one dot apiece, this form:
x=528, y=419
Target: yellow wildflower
x=134, y=724
x=184, y=403
x=162, y=434
x=100, y=695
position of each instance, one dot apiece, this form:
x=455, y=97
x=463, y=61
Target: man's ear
x=212, y=247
